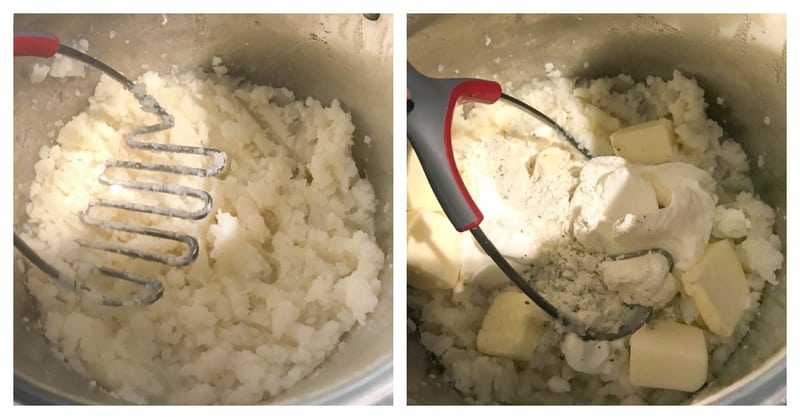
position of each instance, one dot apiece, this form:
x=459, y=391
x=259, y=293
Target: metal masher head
x=430, y=113
x=149, y=289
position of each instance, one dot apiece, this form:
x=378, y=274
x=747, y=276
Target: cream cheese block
x=608, y=192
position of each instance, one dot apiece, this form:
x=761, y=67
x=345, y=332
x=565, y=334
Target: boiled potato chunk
x=432, y=250
x=512, y=327
x=669, y=355
x=418, y=190
x=718, y=287
x=647, y=143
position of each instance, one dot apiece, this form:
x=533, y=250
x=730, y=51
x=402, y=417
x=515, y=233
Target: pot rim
x=373, y=388
x=763, y=385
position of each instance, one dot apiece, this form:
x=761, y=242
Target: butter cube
x=432, y=251
x=669, y=355
x=419, y=194
x=512, y=327
x=648, y=143
x=626, y=193
x=718, y=286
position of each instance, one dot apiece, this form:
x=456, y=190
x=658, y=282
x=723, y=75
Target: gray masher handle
x=429, y=124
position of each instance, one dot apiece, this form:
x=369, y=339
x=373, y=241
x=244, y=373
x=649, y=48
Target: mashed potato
x=497, y=149
x=288, y=260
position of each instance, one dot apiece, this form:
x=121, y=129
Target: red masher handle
x=32, y=44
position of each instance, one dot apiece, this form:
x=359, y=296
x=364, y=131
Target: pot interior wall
x=741, y=58
x=334, y=56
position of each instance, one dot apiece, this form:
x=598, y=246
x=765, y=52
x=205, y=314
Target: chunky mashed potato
x=288, y=260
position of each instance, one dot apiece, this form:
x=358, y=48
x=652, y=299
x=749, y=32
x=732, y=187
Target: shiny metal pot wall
x=334, y=56
x=741, y=58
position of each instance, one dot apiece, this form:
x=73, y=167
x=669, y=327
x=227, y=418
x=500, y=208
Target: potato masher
x=151, y=289
x=430, y=113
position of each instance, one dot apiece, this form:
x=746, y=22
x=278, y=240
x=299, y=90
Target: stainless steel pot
x=333, y=56
x=739, y=57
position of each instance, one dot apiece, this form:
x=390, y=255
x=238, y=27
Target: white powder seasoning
x=524, y=178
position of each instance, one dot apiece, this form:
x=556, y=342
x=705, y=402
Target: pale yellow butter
x=669, y=355
x=432, y=251
x=512, y=327
x=717, y=284
x=647, y=143
x=418, y=191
